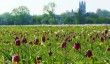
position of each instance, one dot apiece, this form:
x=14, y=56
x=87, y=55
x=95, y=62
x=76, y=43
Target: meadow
x=54, y=44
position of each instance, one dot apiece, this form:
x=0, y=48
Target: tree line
x=22, y=16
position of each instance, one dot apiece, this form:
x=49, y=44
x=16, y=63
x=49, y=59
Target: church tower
x=82, y=7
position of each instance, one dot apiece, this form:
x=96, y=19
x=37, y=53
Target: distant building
x=70, y=13
x=82, y=7
x=58, y=18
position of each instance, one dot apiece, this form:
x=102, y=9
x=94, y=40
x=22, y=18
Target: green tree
x=49, y=9
x=21, y=16
x=103, y=13
x=5, y=18
x=103, y=20
x=66, y=19
x=53, y=21
x=36, y=19
x=45, y=20
x=90, y=20
x=80, y=17
x=91, y=15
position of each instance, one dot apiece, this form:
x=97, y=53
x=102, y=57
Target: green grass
x=28, y=53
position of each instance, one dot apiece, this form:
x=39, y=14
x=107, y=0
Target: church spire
x=82, y=6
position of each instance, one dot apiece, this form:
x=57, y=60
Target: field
x=54, y=44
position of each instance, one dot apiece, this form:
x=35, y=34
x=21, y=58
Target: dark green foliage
x=36, y=19
x=21, y=16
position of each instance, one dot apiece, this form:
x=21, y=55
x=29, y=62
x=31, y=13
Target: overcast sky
x=36, y=6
